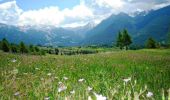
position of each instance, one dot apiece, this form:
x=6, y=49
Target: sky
x=69, y=13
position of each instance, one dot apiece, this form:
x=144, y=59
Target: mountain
x=45, y=35
x=41, y=35
x=155, y=23
x=141, y=25
x=82, y=30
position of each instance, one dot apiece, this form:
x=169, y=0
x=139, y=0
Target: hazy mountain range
x=142, y=25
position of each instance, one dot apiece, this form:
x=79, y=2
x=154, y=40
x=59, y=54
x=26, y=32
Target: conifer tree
x=151, y=43
x=23, y=48
x=119, y=41
x=126, y=39
x=5, y=45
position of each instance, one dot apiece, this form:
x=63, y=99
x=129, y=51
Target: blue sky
x=69, y=13
x=37, y=4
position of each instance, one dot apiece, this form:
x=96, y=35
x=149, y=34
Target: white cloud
x=9, y=13
x=85, y=12
x=55, y=16
x=76, y=24
x=110, y=3
x=45, y=16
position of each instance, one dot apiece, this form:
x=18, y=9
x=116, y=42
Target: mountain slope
x=53, y=36
x=155, y=24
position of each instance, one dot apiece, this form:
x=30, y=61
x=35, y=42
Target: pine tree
x=31, y=48
x=56, y=51
x=169, y=38
x=36, y=49
x=126, y=39
x=23, y=48
x=0, y=45
x=151, y=43
x=119, y=41
x=5, y=45
x=14, y=49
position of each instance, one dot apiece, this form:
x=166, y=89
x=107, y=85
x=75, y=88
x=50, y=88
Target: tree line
x=124, y=41
x=20, y=48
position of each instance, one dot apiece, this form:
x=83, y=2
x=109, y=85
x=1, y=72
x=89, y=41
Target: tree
x=56, y=51
x=23, y=48
x=151, y=43
x=31, y=48
x=126, y=39
x=14, y=49
x=5, y=45
x=36, y=49
x=169, y=38
x=0, y=45
x=119, y=41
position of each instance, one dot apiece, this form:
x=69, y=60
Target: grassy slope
x=104, y=72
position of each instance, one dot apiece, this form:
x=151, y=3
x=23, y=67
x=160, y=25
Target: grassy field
x=125, y=75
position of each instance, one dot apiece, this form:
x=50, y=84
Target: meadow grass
x=118, y=75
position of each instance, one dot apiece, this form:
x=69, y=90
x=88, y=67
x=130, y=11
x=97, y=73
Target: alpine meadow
x=85, y=50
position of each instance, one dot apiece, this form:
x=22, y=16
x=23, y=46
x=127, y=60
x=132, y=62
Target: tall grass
x=114, y=75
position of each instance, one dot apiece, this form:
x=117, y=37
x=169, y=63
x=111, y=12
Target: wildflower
x=25, y=73
x=47, y=98
x=42, y=79
x=81, y=80
x=149, y=94
x=14, y=60
x=127, y=80
x=49, y=74
x=65, y=78
x=59, y=82
x=89, y=88
x=16, y=94
x=37, y=68
x=72, y=92
x=62, y=87
x=99, y=97
x=89, y=98
x=15, y=71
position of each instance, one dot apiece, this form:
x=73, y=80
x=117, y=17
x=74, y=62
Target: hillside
x=155, y=24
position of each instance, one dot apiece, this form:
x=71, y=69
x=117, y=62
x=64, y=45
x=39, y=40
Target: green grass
x=104, y=72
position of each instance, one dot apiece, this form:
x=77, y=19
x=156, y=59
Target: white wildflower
x=25, y=73
x=42, y=79
x=127, y=80
x=13, y=60
x=65, y=78
x=16, y=94
x=149, y=94
x=59, y=82
x=47, y=98
x=89, y=88
x=49, y=74
x=99, y=97
x=72, y=92
x=62, y=87
x=81, y=80
x=15, y=71
x=89, y=98
x=37, y=68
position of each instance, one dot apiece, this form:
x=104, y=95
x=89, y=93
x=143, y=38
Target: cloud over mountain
x=81, y=14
